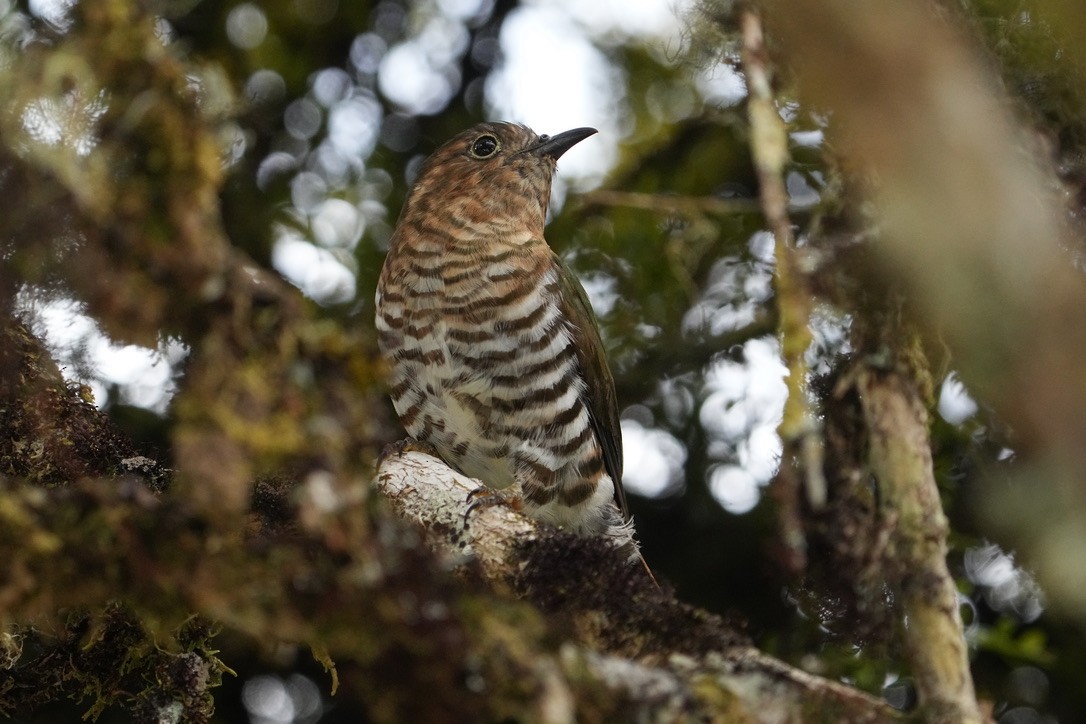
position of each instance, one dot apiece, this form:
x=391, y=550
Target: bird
x=494, y=354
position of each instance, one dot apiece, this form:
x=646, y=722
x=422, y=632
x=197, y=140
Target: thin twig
x=670, y=203
x=769, y=147
x=679, y=353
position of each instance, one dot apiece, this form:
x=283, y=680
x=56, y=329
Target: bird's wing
x=602, y=402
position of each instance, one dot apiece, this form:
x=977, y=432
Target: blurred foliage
x=690, y=287
x=1039, y=50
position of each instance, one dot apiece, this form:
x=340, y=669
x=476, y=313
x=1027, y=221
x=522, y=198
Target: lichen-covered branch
x=669, y=660
x=899, y=456
x=881, y=541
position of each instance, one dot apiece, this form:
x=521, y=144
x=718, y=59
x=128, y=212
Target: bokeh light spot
x=246, y=26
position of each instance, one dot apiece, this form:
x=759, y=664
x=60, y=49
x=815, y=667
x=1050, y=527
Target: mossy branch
x=630, y=634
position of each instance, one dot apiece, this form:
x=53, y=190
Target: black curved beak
x=555, y=146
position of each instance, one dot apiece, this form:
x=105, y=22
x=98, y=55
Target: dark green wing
x=602, y=401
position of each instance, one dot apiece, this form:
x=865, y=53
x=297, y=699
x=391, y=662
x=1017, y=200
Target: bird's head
x=493, y=177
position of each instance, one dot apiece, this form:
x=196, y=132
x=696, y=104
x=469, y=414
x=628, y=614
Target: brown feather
x=602, y=401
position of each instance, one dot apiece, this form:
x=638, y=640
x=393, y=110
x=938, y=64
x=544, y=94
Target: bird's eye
x=484, y=146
